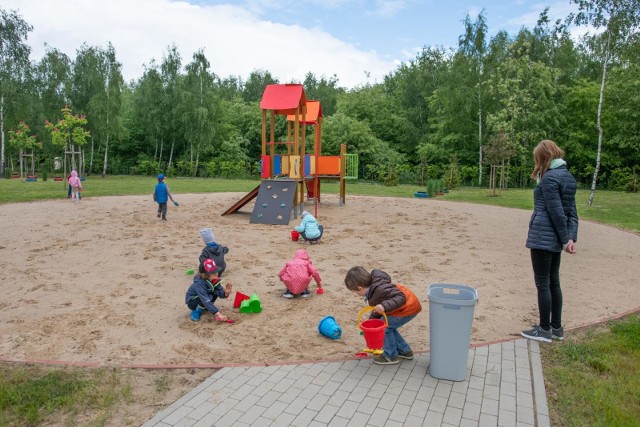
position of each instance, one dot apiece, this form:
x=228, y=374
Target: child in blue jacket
x=161, y=195
x=309, y=228
x=205, y=289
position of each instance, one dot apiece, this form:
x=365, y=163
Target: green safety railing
x=351, y=166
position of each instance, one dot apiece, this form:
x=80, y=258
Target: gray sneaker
x=557, y=334
x=407, y=356
x=383, y=360
x=537, y=333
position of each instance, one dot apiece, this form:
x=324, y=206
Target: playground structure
x=287, y=168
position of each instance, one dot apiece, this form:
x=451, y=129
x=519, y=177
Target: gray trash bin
x=450, y=320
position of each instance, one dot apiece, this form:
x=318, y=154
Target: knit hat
x=160, y=177
x=209, y=266
x=304, y=213
x=207, y=235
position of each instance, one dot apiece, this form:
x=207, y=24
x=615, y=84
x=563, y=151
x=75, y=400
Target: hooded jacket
x=207, y=291
x=74, y=181
x=297, y=273
x=554, y=220
x=215, y=252
x=309, y=226
x=397, y=299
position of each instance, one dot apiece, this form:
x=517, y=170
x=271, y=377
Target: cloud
x=235, y=40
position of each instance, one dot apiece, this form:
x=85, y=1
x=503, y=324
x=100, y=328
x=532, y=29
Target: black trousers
x=546, y=273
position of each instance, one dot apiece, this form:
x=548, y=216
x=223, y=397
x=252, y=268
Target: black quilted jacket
x=554, y=220
x=216, y=253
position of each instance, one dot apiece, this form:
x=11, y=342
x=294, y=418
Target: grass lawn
x=592, y=378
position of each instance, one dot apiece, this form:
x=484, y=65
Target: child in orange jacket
x=397, y=301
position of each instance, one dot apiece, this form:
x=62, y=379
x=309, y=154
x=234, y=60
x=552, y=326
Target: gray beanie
x=303, y=214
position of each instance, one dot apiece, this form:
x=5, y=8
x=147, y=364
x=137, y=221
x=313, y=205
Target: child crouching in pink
x=296, y=275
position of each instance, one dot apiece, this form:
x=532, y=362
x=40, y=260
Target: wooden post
x=343, y=165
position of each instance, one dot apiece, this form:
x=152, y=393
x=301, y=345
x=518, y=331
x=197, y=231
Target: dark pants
x=192, y=304
x=162, y=209
x=546, y=273
x=315, y=239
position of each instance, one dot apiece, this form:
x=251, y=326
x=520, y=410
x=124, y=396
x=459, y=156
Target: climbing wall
x=274, y=202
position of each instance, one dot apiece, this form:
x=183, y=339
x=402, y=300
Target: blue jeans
x=393, y=341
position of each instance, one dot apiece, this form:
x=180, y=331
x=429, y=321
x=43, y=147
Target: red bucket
x=295, y=235
x=373, y=330
x=239, y=298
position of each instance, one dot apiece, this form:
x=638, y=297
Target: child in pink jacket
x=76, y=186
x=297, y=273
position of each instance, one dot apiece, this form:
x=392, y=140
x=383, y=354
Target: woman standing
x=553, y=228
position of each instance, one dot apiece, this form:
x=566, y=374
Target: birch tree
x=14, y=61
x=620, y=20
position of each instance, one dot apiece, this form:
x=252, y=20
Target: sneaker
x=384, y=360
x=287, y=294
x=158, y=215
x=538, y=334
x=407, y=356
x=305, y=293
x=557, y=334
x=164, y=219
x=195, y=314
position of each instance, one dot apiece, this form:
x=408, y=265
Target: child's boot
x=195, y=314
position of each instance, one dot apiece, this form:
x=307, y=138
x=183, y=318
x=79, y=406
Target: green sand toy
x=251, y=305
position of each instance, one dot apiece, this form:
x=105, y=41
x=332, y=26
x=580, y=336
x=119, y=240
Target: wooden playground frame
x=296, y=164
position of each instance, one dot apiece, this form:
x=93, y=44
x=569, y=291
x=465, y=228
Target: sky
x=358, y=41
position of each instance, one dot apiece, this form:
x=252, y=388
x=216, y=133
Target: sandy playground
x=103, y=281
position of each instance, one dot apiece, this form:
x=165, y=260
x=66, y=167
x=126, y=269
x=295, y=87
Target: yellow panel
x=294, y=166
x=285, y=165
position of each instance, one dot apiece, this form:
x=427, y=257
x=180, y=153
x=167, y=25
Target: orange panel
x=314, y=110
x=328, y=165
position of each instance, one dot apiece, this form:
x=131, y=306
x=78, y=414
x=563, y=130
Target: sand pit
x=104, y=281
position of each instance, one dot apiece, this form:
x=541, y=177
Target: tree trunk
x=106, y=152
x=21, y=165
x=2, y=136
x=480, y=147
x=170, y=156
x=106, y=146
x=604, y=79
x=91, y=157
x=195, y=170
x=161, y=146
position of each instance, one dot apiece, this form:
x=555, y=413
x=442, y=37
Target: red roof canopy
x=284, y=99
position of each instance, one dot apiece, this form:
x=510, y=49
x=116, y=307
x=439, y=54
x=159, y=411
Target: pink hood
x=74, y=181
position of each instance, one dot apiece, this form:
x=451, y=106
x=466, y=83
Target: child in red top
x=297, y=273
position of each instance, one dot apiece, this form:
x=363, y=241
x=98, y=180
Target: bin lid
x=444, y=293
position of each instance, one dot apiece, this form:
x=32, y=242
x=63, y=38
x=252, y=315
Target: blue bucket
x=329, y=328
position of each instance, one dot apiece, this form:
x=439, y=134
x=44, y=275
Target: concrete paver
x=504, y=386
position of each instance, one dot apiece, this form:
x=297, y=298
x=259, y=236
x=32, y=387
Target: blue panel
x=307, y=165
x=277, y=165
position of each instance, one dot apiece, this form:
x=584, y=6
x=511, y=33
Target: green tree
x=69, y=133
x=201, y=109
x=620, y=20
x=324, y=90
x=170, y=72
x=24, y=141
x=253, y=88
x=14, y=65
x=109, y=102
